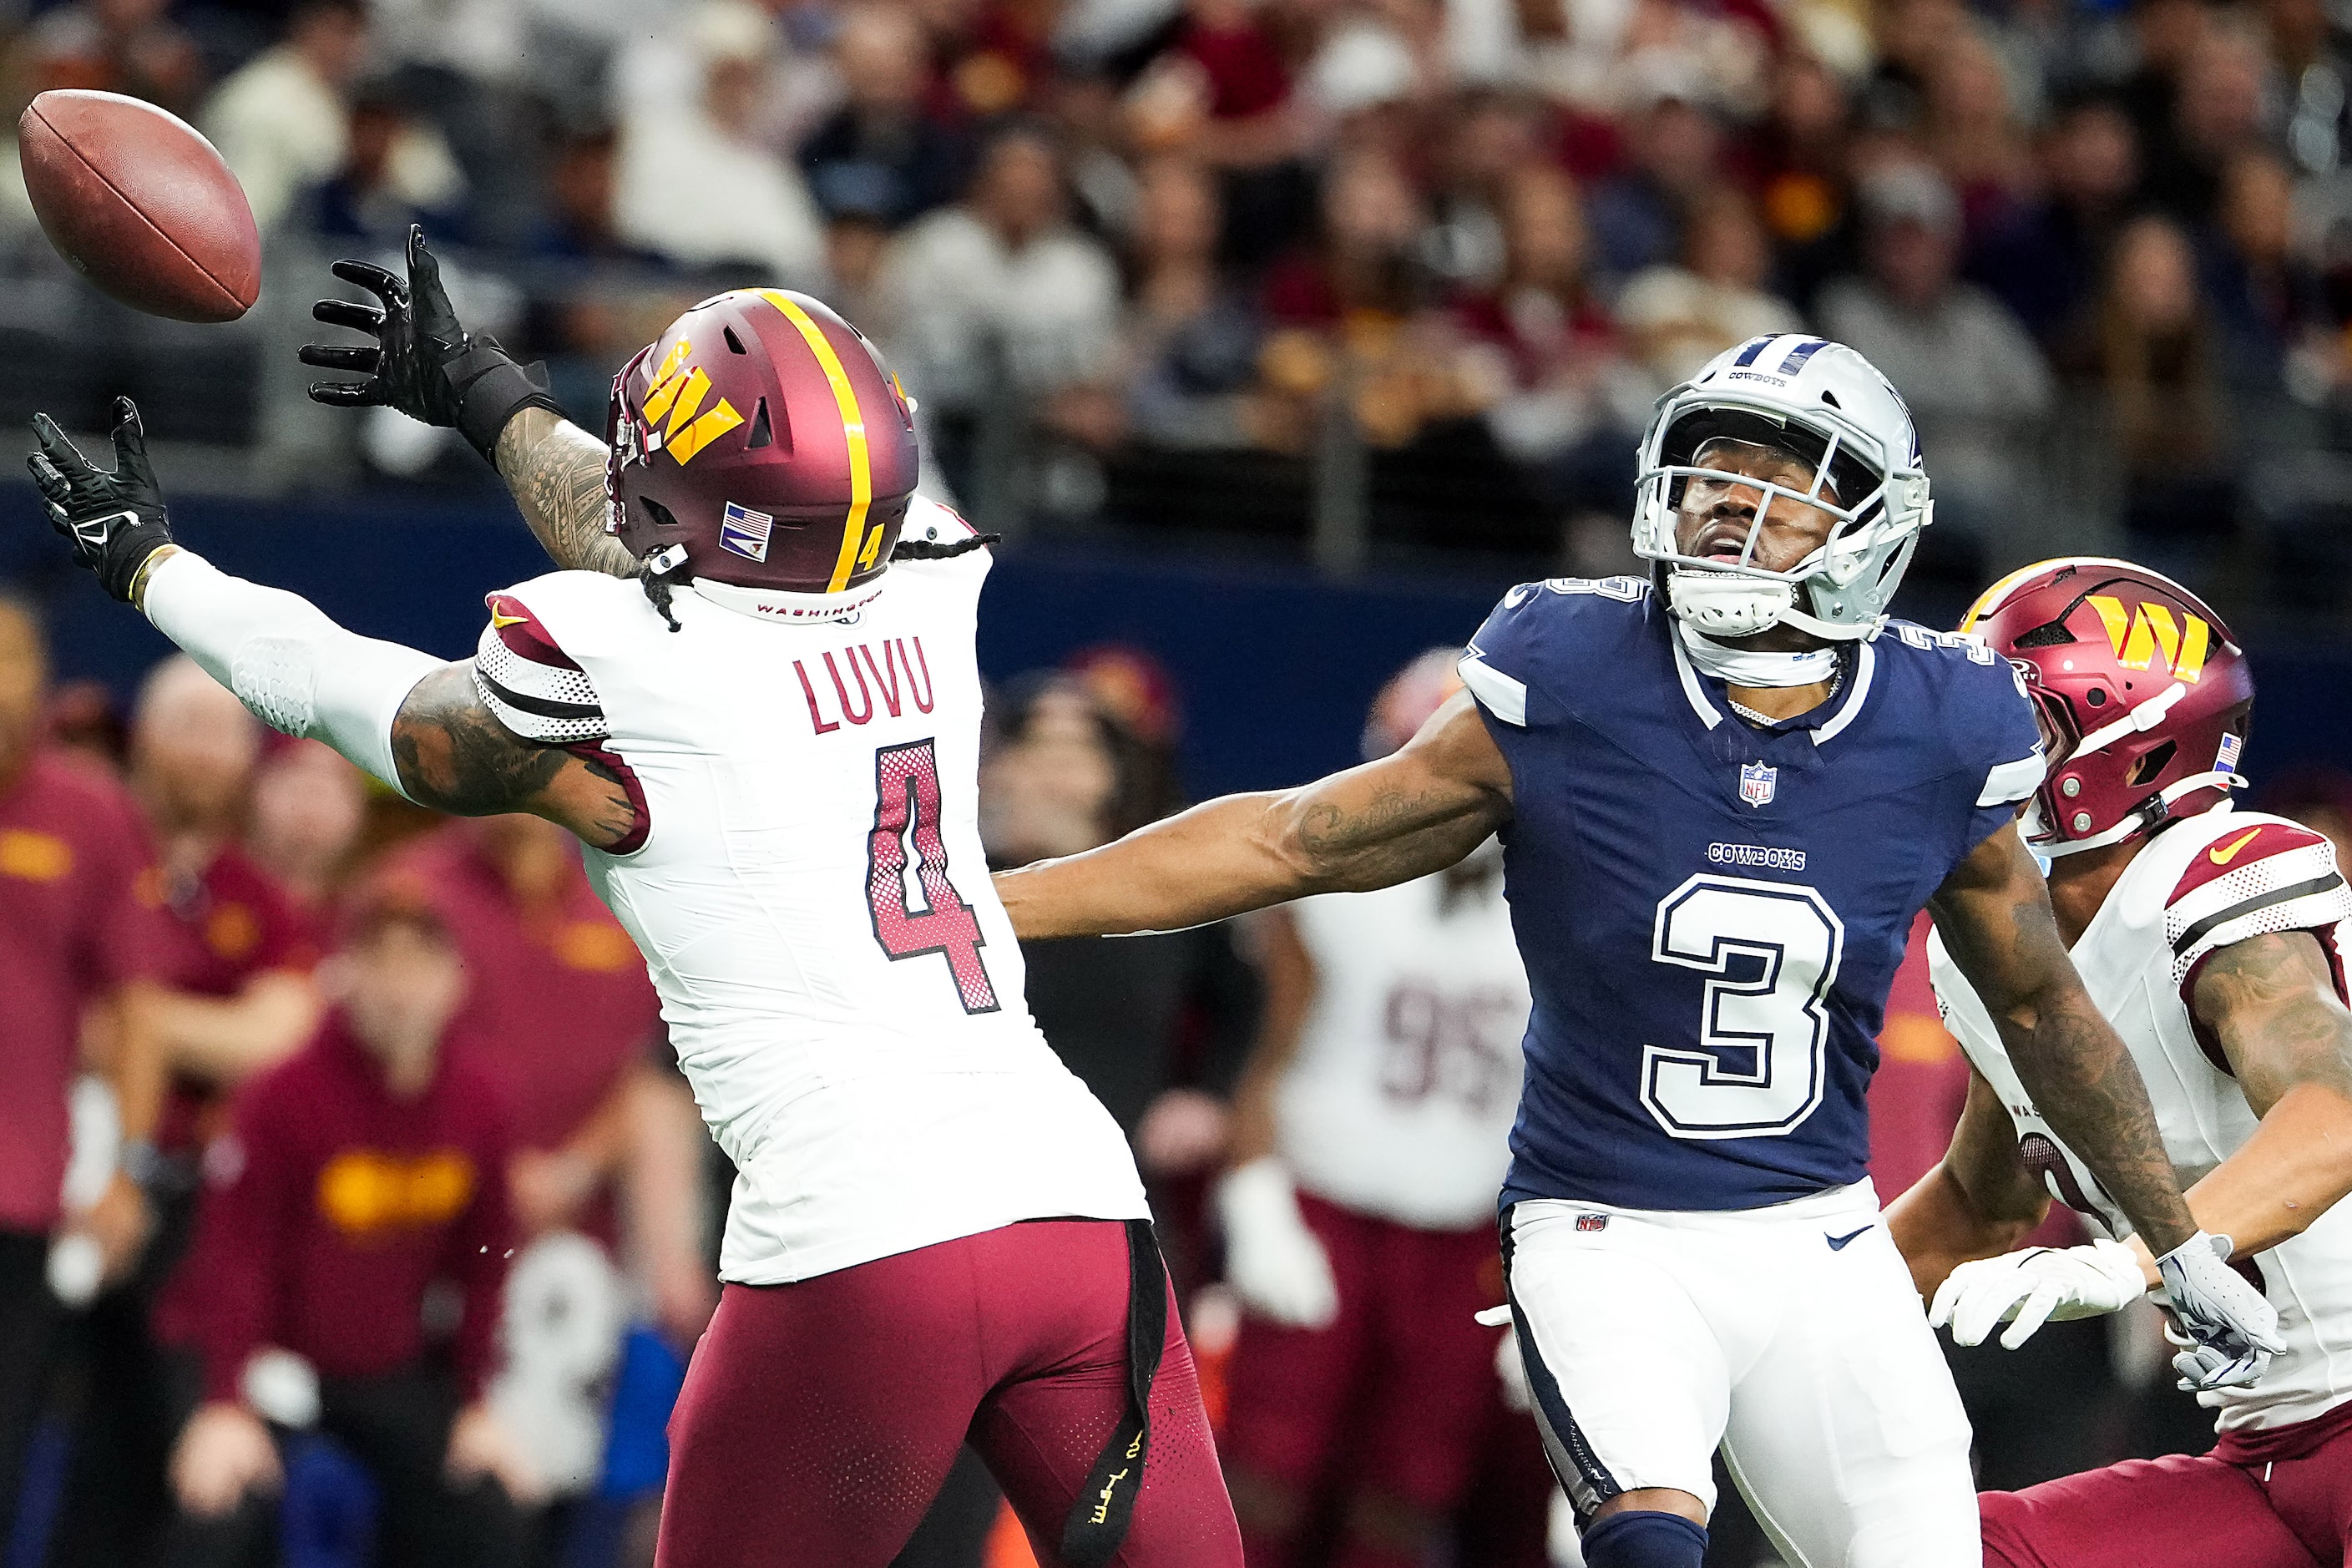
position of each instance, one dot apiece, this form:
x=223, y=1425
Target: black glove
x=114, y=519
x=425, y=363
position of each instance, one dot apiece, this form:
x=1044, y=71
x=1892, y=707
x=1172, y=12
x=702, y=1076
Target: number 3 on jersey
x=907, y=807
x=1770, y=952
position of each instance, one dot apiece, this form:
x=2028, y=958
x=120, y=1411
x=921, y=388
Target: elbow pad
x=297, y=671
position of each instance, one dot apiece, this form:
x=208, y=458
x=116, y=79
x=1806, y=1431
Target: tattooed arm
x=454, y=755
x=1994, y=913
x=1387, y=822
x=2272, y=1002
x=556, y=471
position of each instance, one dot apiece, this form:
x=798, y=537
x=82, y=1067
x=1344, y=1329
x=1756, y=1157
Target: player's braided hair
x=660, y=580
x=929, y=550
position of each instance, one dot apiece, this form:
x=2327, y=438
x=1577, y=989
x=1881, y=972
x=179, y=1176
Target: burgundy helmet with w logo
x=760, y=448
x=2144, y=696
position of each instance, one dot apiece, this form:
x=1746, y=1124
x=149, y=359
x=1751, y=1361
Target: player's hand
x=1510, y=1367
x=2231, y=1330
x=2040, y=1285
x=114, y=516
x=481, y=1445
x=223, y=1452
x=1272, y=1261
x=423, y=363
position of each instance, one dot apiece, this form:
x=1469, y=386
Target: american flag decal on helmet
x=745, y=531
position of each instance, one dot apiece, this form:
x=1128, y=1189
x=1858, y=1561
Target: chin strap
x=1738, y=604
x=2157, y=808
x=1750, y=667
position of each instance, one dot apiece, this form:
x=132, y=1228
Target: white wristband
x=299, y=672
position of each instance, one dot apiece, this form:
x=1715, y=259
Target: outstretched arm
x=1417, y=811
x=417, y=723
x=1994, y=913
x=556, y=471
x=426, y=364
x=1980, y=1200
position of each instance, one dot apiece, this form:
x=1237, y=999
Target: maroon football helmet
x=759, y=445
x=2144, y=696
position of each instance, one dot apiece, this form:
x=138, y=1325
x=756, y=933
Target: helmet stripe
x=1754, y=348
x=1801, y=353
x=853, y=426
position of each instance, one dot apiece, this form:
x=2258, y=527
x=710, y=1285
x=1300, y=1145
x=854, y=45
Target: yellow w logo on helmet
x=678, y=392
x=2138, y=635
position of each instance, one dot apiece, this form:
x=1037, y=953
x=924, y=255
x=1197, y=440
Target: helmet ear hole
x=2153, y=764
x=762, y=433
x=661, y=514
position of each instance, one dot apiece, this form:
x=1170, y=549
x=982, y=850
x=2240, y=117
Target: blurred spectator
x=2042, y=260
x=1800, y=159
x=561, y=1016
x=1568, y=402
x=1143, y=1019
x=2148, y=354
x=1370, y=1130
x=309, y=806
x=1191, y=337
x=1971, y=129
x=131, y=47
x=366, y=1173
x=2217, y=114
x=85, y=725
x=1976, y=386
x=281, y=122
x=73, y=855
x=999, y=293
x=1680, y=317
x=882, y=155
x=397, y=171
x=696, y=183
x=237, y=956
x=1366, y=261
x=2266, y=298
x=1674, y=159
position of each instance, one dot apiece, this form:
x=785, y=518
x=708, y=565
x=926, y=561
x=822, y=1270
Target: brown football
x=141, y=205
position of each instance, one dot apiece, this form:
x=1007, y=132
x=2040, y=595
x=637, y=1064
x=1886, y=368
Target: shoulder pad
x=524, y=676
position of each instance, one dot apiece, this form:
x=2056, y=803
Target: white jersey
x=1400, y=1101
x=840, y=982
x=2202, y=884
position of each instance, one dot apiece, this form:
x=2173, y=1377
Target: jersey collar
x=1826, y=723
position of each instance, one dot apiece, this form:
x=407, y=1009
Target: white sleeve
x=299, y=672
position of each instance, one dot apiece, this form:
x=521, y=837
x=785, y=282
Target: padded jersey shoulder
x=1544, y=637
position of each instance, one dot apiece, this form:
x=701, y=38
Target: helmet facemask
x=1843, y=426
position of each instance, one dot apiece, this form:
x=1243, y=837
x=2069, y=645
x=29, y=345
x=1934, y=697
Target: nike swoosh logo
x=1837, y=1243
x=500, y=619
x=2224, y=856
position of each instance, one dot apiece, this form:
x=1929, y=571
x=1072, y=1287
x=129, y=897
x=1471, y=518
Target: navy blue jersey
x=1711, y=912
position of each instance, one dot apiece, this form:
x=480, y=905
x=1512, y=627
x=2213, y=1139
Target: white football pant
x=1790, y=1335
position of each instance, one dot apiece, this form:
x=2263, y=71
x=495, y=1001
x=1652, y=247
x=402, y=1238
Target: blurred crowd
x=1191, y=263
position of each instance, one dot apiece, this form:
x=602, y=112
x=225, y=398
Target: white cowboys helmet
x=1829, y=407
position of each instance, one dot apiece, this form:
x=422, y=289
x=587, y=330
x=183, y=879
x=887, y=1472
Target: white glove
x=2232, y=1330
x=2039, y=1285
x=1272, y=1261
x=1509, y=1365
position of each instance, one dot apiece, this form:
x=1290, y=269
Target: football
x=141, y=205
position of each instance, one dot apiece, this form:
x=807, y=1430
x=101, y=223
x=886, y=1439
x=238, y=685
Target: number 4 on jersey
x=907, y=806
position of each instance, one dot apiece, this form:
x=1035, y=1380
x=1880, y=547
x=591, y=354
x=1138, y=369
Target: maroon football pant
x=2273, y=1500
x=819, y=1418
x=1392, y=1404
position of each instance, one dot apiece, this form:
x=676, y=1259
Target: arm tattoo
x=2070, y=1060
x=2272, y=1002
x=1395, y=836
x=556, y=471
x=454, y=755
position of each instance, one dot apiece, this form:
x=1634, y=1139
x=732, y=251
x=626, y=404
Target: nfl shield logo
x=1591, y=1222
x=744, y=531
x=1756, y=783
